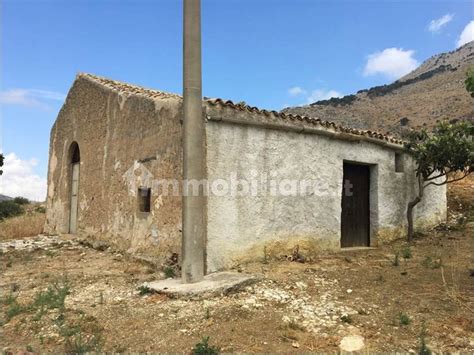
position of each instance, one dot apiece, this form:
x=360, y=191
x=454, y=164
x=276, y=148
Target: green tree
x=470, y=82
x=9, y=209
x=442, y=157
x=1, y=163
x=21, y=200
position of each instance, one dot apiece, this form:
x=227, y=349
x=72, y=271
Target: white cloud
x=391, y=62
x=296, y=91
x=322, y=94
x=20, y=179
x=311, y=96
x=29, y=97
x=467, y=35
x=436, y=25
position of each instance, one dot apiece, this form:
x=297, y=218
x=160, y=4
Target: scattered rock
x=352, y=343
x=301, y=285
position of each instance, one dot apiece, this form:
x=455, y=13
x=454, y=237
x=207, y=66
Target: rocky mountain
x=432, y=92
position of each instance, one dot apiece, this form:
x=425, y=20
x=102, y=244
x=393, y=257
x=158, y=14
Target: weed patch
x=169, y=272
x=203, y=348
x=404, y=319
x=52, y=298
x=346, y=318
x=431, y=263
x=424, y=350
x=396, y=259
x=144, y=290
x=406, y=252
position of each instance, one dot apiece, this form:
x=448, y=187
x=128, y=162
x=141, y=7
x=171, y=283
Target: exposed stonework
x=128, y=136
x=115, y=131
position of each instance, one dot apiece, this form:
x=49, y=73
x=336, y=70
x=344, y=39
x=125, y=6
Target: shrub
x=40, y=209
x=404, y=319
x=347, y=319
x=144, y=290
x=169, y=272
x=21, y=200
x=52, y=298
x=10, y=209
x=14, y=309
x=80, y=344
x=406, y=252
x=430, y=263
x=203, y=348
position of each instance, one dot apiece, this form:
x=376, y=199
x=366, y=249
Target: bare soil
x=297, y=307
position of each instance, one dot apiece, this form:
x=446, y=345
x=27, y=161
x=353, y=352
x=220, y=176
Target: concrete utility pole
x=194, y=207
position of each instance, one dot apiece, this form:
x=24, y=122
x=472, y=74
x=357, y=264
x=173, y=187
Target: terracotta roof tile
x=128, y=88
x=134, y=89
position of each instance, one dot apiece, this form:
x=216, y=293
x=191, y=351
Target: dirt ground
x=94, y=302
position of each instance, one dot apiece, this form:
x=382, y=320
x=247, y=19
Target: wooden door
x=355, y=219
x=74, y=197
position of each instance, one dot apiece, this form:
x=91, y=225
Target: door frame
x=373, y=200
x=74, y=210
x=74, y=160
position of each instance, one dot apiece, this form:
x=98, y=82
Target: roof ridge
x=241, y=106
x=127, y=87
x=312, y=120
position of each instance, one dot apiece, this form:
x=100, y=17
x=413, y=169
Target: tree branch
x=447, y=181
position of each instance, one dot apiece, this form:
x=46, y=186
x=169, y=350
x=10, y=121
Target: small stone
x=349, y=290
x=295, y=344
x=352, y=343
x=301, y=285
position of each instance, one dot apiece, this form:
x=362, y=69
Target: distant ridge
x=5, y=198
x=432, y=92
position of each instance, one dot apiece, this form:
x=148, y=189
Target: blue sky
x=269, y=53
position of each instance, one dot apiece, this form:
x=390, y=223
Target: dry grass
x=23, y=226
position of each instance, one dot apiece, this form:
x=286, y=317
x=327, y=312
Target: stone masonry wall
x=115, y=132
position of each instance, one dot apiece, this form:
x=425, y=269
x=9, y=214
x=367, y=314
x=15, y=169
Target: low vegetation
x=27, y=225
x=337, y=101
x=406, y=252
x=470, y=82
x=19, y=218
x=431, y=263
x=404, y=319
x=10, y=209
x=53, y=299
x=144, y=290
x=424, y=350
x=203, y=348
x=169, y=272
x=389, y=88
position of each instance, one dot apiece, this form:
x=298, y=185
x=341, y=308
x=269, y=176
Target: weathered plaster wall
x=114, y=131
x=240, y=228
x=128, y=140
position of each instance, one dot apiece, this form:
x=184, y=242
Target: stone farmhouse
x=113, y=141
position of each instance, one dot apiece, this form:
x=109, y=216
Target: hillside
x=434, y=91
x=5, y=198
